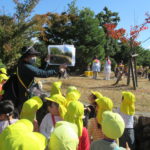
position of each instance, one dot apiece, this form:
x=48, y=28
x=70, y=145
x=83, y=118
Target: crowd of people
x=64, y=127
x=120, y=69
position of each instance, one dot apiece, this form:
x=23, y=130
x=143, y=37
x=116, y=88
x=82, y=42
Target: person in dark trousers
x=25, y=72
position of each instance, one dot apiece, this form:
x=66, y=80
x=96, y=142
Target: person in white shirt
x=127, y=111
x=107, y=69
x=50, y=119
x=6, y=114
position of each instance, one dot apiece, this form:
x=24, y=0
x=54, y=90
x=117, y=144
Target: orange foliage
x=120, y=33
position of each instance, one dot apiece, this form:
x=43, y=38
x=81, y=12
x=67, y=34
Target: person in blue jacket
x=25, y=72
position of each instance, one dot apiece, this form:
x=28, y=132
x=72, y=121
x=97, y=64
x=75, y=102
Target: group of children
x=126, y=111
x=143, y=71
x=63, y=127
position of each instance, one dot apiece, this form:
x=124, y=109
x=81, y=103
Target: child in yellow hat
x=94, y=125
x=20, y=136
x=92, y=107
x=64, y=137
x=112, y=128
x=127, y=111
x=29, y=110
x=56, y=88
x=56, y=108
x=74, y=114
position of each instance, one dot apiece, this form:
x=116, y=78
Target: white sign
x=62, y=54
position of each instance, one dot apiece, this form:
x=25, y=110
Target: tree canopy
x=82, y=27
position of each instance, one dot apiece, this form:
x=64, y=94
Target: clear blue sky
x=131, y=12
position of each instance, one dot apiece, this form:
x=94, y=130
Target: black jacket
x=23, y=79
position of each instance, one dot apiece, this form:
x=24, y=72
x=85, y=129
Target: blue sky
x=131, y=12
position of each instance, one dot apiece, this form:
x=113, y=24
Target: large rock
x=142, y=133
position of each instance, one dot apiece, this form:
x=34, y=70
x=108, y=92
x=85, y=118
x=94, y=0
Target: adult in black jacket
x=26, y=71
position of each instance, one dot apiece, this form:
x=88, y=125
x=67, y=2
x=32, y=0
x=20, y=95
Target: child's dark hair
x=49, y=103
x=7, y=108
x=94, y=97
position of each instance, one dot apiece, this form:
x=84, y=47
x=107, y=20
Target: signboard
x=62, y=54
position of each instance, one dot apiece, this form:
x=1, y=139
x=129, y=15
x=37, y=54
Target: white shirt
x=4, y=124
x=107, y=67
x=47, y=127
x=128, y=119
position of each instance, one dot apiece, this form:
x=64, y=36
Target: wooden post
x=136, y=79
x=133, y=75
x=129, y=67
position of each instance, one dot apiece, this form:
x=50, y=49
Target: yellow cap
x=104, y=104
x=3, y=77
x=71, y=88
x=127, y=106
x=56, y=88
x=112, y=125
x=19, y=136
x=75, y=113
x=59, y=99
x=97, y=94
x=64, y=137
x=30, y=108
x=73, y=95
x=3, y=70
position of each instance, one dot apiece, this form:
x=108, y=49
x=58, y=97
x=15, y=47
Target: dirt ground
x=87, y=84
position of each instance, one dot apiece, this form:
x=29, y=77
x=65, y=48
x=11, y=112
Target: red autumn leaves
x=120, y=34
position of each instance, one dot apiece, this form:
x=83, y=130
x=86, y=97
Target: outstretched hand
x=47, y=59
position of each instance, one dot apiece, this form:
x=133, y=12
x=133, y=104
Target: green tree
x=15, y=32
x=90, y=38
x=82, y=30
x=108, y=17
x=72, y=8
x=143, y=57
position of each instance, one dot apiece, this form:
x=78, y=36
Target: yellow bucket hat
x=127, y=106
x=3, y=77
x=112, y=125
x=19, y=136
x=103, y=104
x=73, y=95
x=75, y=113
x=30, y=108
x=97, y=94
x=56, y=88
x=59, y=99
x=25, y=124
x=64, y=137
x=3, y=71
x=71, y=88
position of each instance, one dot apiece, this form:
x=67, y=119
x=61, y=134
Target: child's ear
x=48, y=108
